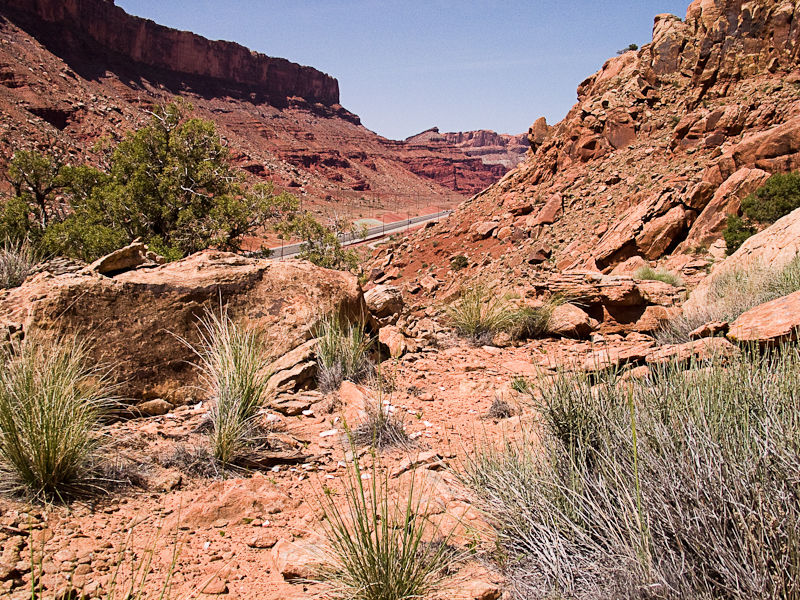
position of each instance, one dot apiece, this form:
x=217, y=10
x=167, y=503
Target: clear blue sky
x=406, y=65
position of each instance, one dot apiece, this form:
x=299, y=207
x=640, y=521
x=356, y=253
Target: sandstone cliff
x=183, y=52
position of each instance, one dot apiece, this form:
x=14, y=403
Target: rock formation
x=662, y=146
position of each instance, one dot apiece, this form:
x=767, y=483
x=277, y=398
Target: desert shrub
x=342, y=353
x=533, y=321
x=382, y=548
x=680, y=486
x=459, y=262
x=500, y=409
x=629, y=48
x=481, y=313
x=736, y=233
x=648, y=273
x=16, y=262
x=733, y=293
x=235, y=367
x=322, y=245
x=51, y=402
x=779, y=196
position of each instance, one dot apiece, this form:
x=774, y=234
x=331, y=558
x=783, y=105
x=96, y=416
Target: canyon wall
x=183, y=52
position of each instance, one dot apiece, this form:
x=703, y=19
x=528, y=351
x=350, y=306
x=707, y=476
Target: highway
x=373, y=233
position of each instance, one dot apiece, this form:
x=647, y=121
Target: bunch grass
x=733, y=293
x=342, y=353
x=235, y=366
x=51, y=404
x=16, y=262
x=649, y=274
x=382, y=548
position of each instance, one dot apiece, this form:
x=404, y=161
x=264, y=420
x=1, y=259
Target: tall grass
x=382, y=548
x=686, y=485
x=235, y=366
x=51, y=402
x=16, y=262
x=733, y=293
x=481, y=313
x=342, y=353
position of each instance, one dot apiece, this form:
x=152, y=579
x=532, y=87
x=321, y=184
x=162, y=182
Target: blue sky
x=406, y=65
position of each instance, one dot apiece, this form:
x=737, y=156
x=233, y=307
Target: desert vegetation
x=733, y=293
x=681, y=485
x=383, y=546
x=51, y=403
x=481, y=313
x=779, y=196
x=342, y=353
x=648, y=273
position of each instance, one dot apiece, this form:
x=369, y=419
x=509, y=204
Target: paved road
x=373, y=233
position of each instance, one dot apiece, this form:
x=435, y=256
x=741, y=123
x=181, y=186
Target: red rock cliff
x=183, y=52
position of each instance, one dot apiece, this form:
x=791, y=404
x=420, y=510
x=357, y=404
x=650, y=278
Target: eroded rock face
x=135, y=322
x=184, y=52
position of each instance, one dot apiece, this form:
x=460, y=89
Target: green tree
x=779, y=196
x=169, y=184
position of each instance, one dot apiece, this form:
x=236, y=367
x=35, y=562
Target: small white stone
x=308, y=413
x=328, y=433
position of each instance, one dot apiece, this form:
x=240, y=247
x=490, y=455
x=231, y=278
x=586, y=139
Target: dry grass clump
x=734, y=293
x=235, y=367
x=649, y=274
x=481, y=313
x=675, y=487
x=342, y=353
x=381, y=429
x=51, y=402
x=382, y=548
x=16, y=263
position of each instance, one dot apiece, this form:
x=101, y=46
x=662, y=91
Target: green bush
x=736, y=233
x=779, y=196
x=235, y=367
x=342, y=353
x=684, y=485
x=51, y=402
x=648, y=273
x=459, y=262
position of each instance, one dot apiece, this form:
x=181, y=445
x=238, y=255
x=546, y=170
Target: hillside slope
x=73, y=73
x=662, y=145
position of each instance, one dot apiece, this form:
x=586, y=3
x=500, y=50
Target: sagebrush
x=684, y=485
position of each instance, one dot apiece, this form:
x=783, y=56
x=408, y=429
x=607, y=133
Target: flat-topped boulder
x=134, y=322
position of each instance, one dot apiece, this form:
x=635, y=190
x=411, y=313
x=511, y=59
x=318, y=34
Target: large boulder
x=385, y=302
x=140, y=322
x=770, y=323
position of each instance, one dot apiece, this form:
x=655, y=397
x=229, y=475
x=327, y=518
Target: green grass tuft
x=650, y=274
x=382, y=547
x=51, y=402
x=235, y=367
x=342, y=354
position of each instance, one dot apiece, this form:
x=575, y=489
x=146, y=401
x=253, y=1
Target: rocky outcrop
x=139, y=323
x=772, y=248
x=183, y=52
x=771, y=323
